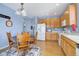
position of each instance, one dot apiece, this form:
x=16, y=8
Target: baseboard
x=52, y=40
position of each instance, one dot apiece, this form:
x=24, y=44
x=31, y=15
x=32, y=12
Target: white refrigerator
x=41, y=29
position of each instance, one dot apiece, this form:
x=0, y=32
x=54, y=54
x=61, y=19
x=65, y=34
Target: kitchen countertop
x=73, y=37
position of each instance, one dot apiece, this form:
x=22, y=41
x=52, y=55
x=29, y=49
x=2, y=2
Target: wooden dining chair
x=27, y=37
x=10, y=40
x=22, y=45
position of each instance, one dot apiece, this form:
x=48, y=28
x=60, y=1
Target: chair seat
x=24, y=46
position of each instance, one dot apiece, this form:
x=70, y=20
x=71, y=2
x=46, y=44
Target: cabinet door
x=54, y=36
x=55, y=22
x=68, y=49
x=62, y=43
x=70, y=15
x=72, y=10
x=68, y=46
x=71, y=50
x=48, y=22
x=66, y=17
x=52, y=22
x=48, y=35
x=42, y=21
x=64, y=46
x=61, y=19
x=58, y=23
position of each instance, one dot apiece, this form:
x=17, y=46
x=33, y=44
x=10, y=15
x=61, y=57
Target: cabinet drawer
x=71, y=51
x=68, y=49
x=72, y=43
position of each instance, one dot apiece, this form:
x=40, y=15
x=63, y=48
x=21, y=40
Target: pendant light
x=21, y=10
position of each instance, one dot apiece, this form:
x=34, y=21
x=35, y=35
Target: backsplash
x=69, y=29
x=62, y=29
x=54, y=29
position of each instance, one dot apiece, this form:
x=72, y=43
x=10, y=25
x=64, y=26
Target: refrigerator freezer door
x=41, y=31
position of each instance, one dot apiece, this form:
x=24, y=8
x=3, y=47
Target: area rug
x=34, y=51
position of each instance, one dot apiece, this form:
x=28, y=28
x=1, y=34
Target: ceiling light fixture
x=57, y=4
x=55, y=13
x=21, y=10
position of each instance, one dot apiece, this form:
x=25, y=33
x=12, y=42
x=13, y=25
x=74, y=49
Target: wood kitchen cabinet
x=62, y=42
x=52, y=36
x=40, y=21
x=73, y=14
x=70, y=15
x=48, y=36
x=71, y=50
x=68, y=46
x=55, y=22
x=51, y=22
x=65, y=17
x=48, y=21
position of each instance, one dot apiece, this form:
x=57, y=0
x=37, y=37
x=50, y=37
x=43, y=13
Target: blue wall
x=30, y=22
x=17, y=25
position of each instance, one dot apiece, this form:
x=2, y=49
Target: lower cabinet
x=52, y=36
x=68, y=48
x=48, y=36
x=71, y=50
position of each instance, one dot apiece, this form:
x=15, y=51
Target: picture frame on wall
x=9, y=23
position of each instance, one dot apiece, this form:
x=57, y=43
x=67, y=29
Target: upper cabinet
x=48, y=21
x=73, y=14
x=40, y=21
x=69, y=17
x=55, y=22
x=51, y=22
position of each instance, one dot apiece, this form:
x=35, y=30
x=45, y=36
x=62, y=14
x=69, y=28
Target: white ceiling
x=40, y=9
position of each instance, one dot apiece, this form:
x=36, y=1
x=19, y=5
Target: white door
x=41, y=31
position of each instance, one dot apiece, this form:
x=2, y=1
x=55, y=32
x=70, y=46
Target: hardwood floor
x=50, y=48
